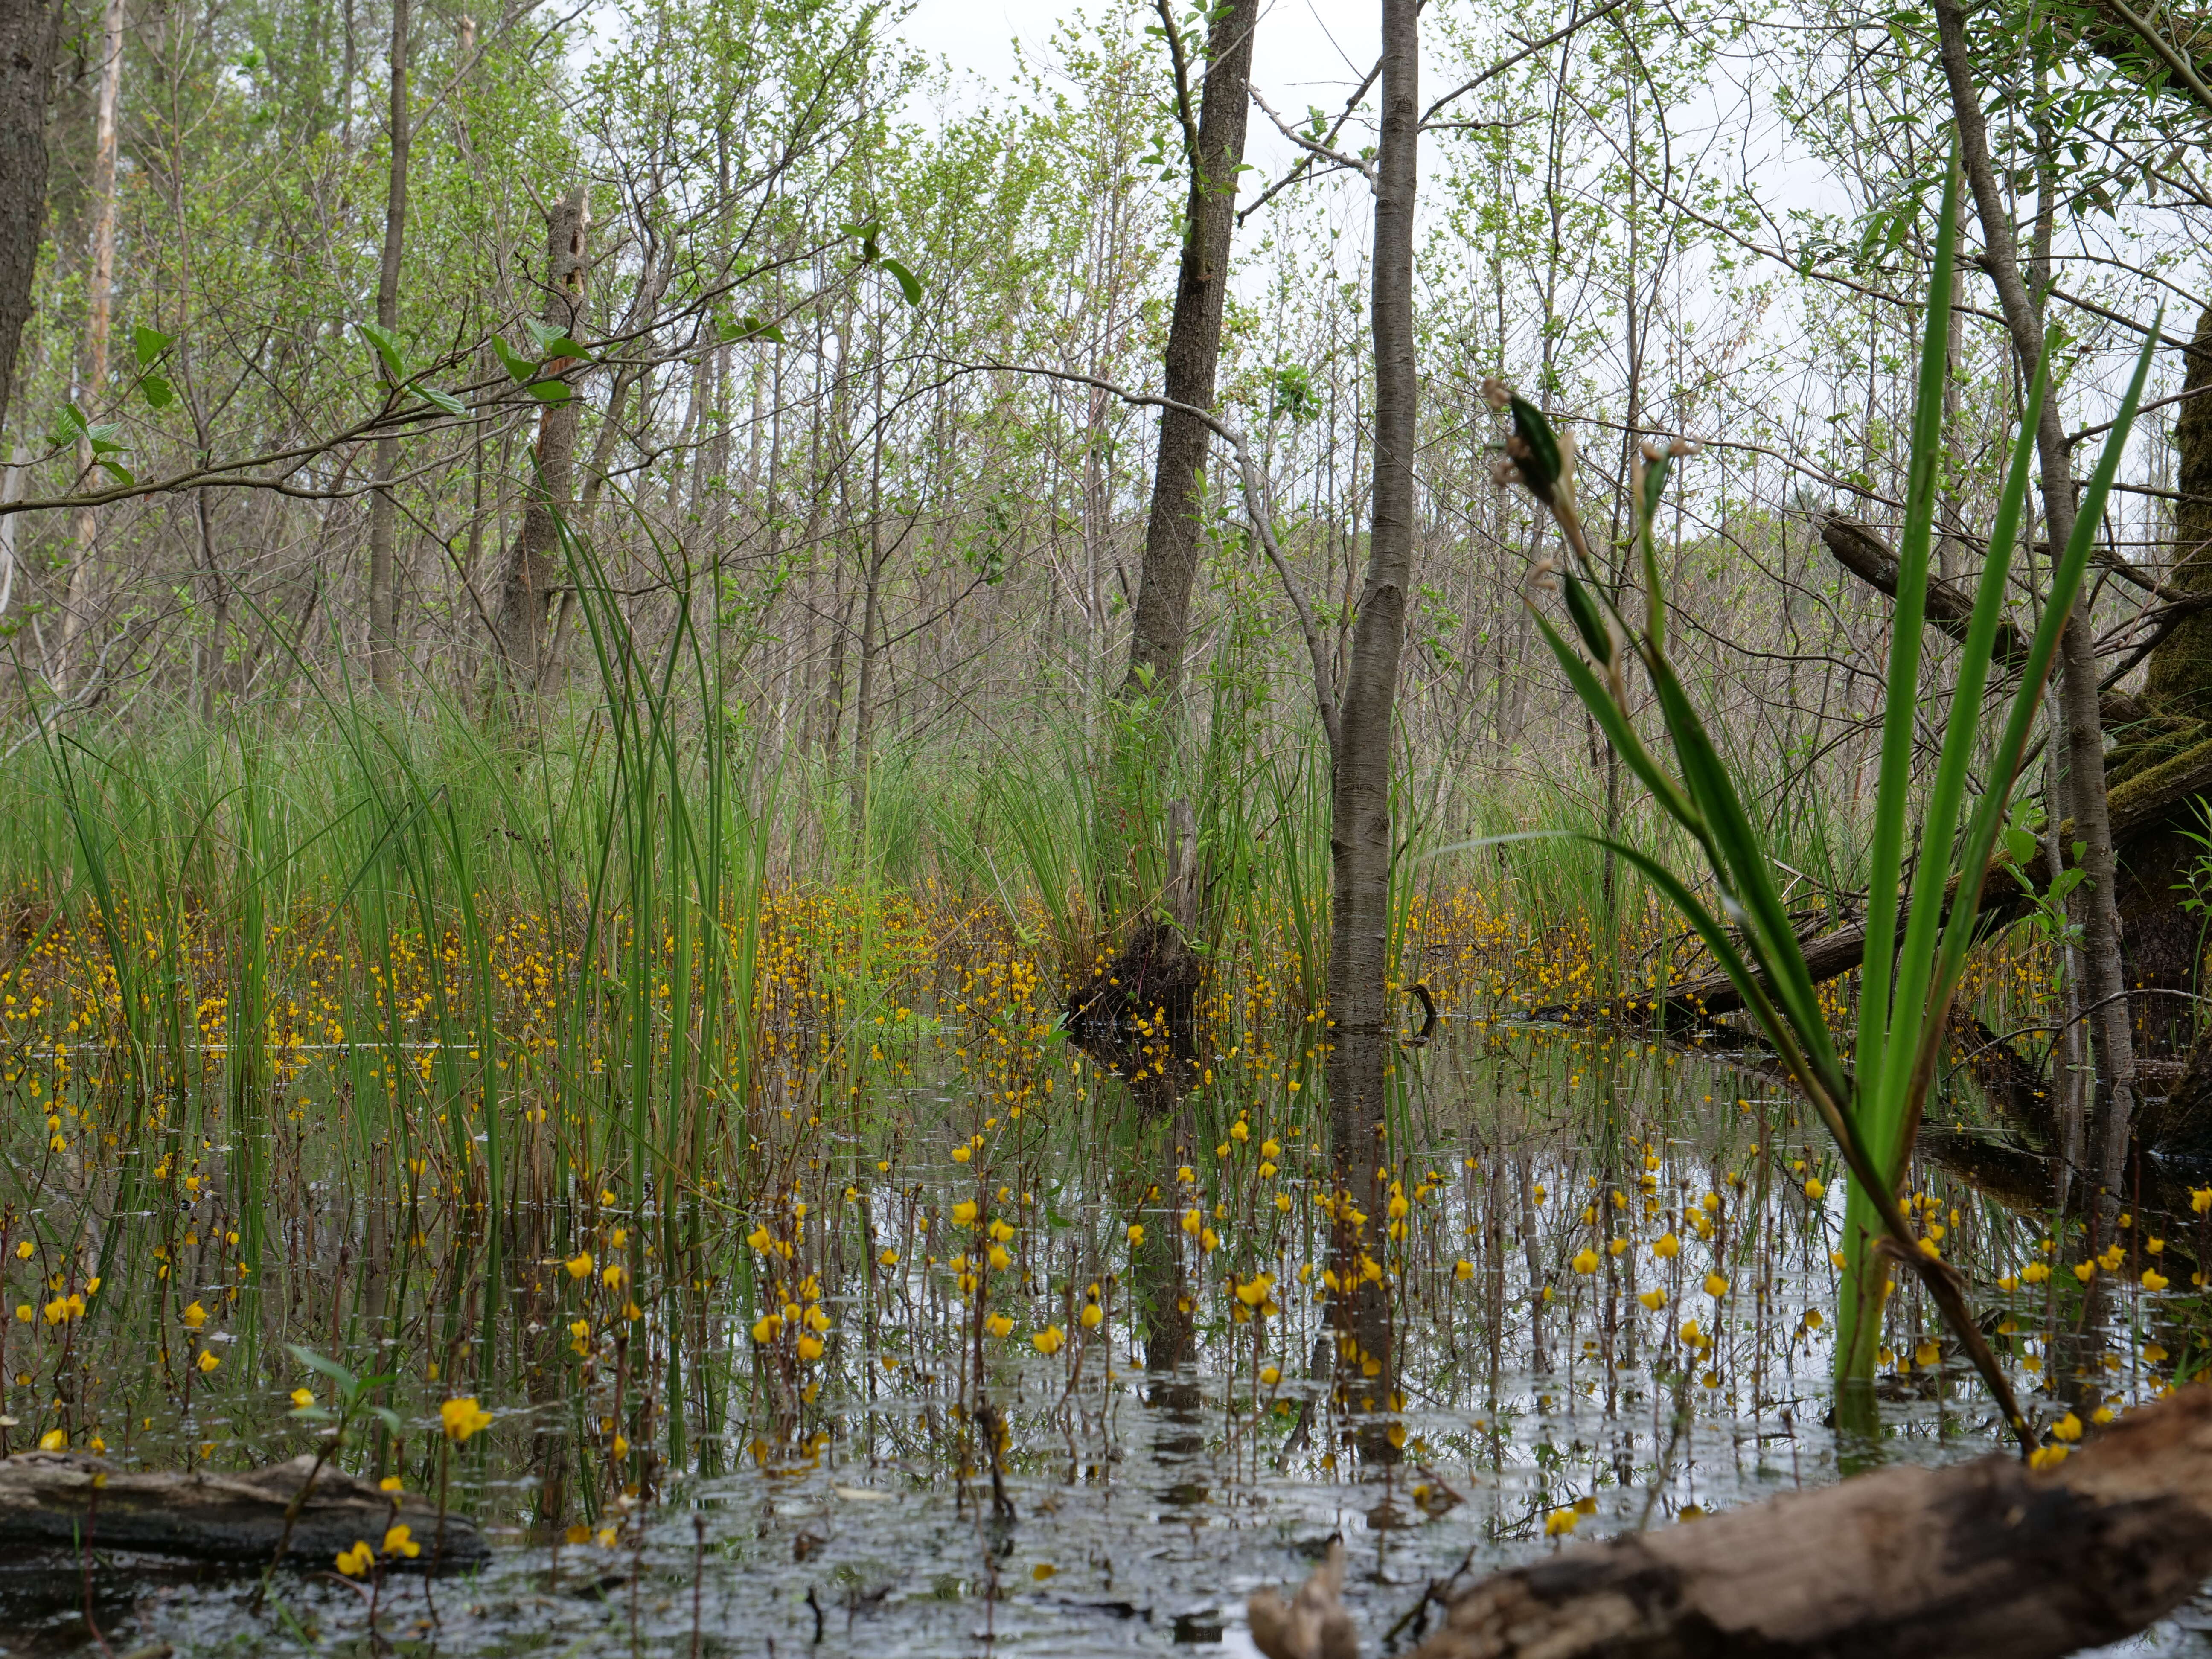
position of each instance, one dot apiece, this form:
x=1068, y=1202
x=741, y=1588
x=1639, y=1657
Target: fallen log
x=2142, y=807
x=65, y=1499
x=1947, y=606
x=1910, y=1562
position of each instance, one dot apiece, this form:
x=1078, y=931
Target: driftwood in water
x=49, y=1500
x=1980, y=1557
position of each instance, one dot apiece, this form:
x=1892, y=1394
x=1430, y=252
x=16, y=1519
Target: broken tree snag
x=48, y=1500
x=1949, y=607
x=1910, y=1562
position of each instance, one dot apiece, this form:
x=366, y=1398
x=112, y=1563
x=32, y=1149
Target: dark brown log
x=1980, y=1557
x=47, y=1500
x=2141, y=807
x=1949, y=607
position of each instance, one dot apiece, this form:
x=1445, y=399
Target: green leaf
x=749, y=327
x=330, y=1368
x=1543, y=466
x=1583, y=613
x=149, y=344
x=157, y=391
x=387, y=348
x=909, y=284
x=122, y=474
x=550, y=391
x=438, y=399
x=519, y=367
x=555, y=342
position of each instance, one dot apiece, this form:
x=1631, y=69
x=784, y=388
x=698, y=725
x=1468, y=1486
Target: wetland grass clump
x=653, y=1136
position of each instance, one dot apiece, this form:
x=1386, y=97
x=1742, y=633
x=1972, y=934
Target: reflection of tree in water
x=1154, y=1057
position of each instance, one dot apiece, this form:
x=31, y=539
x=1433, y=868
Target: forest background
x=354, y=326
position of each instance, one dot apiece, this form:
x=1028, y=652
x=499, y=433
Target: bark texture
x=98, y=298
x=27, y=65
x=48, y=1500
x=1193, y=355
x=2097, y=895
x=1909, y=1563
x=534, y=563
x=383, y=511
x=1361, y=1040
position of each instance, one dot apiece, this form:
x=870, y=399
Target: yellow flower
x=2035, y=1273
x=401, y=1541
x=463, y=1417
x=998, y=1325
x=302, y=1398
x=54, y=1440
x=2046, y=1457
x=810, y=1347
x=1136, y=1233
x=208, y=1362
x=2200, y=1199
x=1269, y=1376
x=1927, y=1353
x=888, y=1259
x=1559, y=1522
x=1654, y=1300
x=767, y=1328
x=1585, y=1260
x=1192, y=1221
x=1463, y=1270
x=355, y=1562
x=2153, y=1279
x=1716, y=1285
x=2067, y=1428
x=1617, y=1247
x=2085, y=1271
x=194, y=1317
x=391, y=1483
x=1815, y=1188
x=961, y=1154
x=1049, y=1340
x=964, y=1213
x=1092, y=1315
x=579, y=1265
x=23, y=1251
x=1667, y=1247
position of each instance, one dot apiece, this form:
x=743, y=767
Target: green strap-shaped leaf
x=909, y=284
x=387, y=348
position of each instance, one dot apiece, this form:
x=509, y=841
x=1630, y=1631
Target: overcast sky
x=1307, y=52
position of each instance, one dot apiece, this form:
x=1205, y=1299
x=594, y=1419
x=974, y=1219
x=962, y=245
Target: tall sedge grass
x=1874, y=1109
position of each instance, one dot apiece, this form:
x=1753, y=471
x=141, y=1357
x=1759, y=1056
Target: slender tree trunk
x=26, y=64
x=534, y=565
x=98, y=296
x=1194, y=355
x=1360, y=837
x=2107, y=988
x=383, y=513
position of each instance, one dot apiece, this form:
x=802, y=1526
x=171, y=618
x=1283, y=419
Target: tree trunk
x=2084, y=735
x=1194, y=355
x=1360, y=835
x=99, y=285
x=26, y=63
x=534, y=564
x=383, y=513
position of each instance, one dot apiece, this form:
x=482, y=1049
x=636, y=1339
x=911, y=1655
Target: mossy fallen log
x=1987, y=1556
x=67, y=1500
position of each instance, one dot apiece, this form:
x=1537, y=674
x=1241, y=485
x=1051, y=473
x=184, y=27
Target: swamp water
x=764, y=1428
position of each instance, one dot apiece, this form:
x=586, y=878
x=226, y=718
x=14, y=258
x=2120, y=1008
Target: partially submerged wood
x=49, y=1499
x=1980, y=1557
